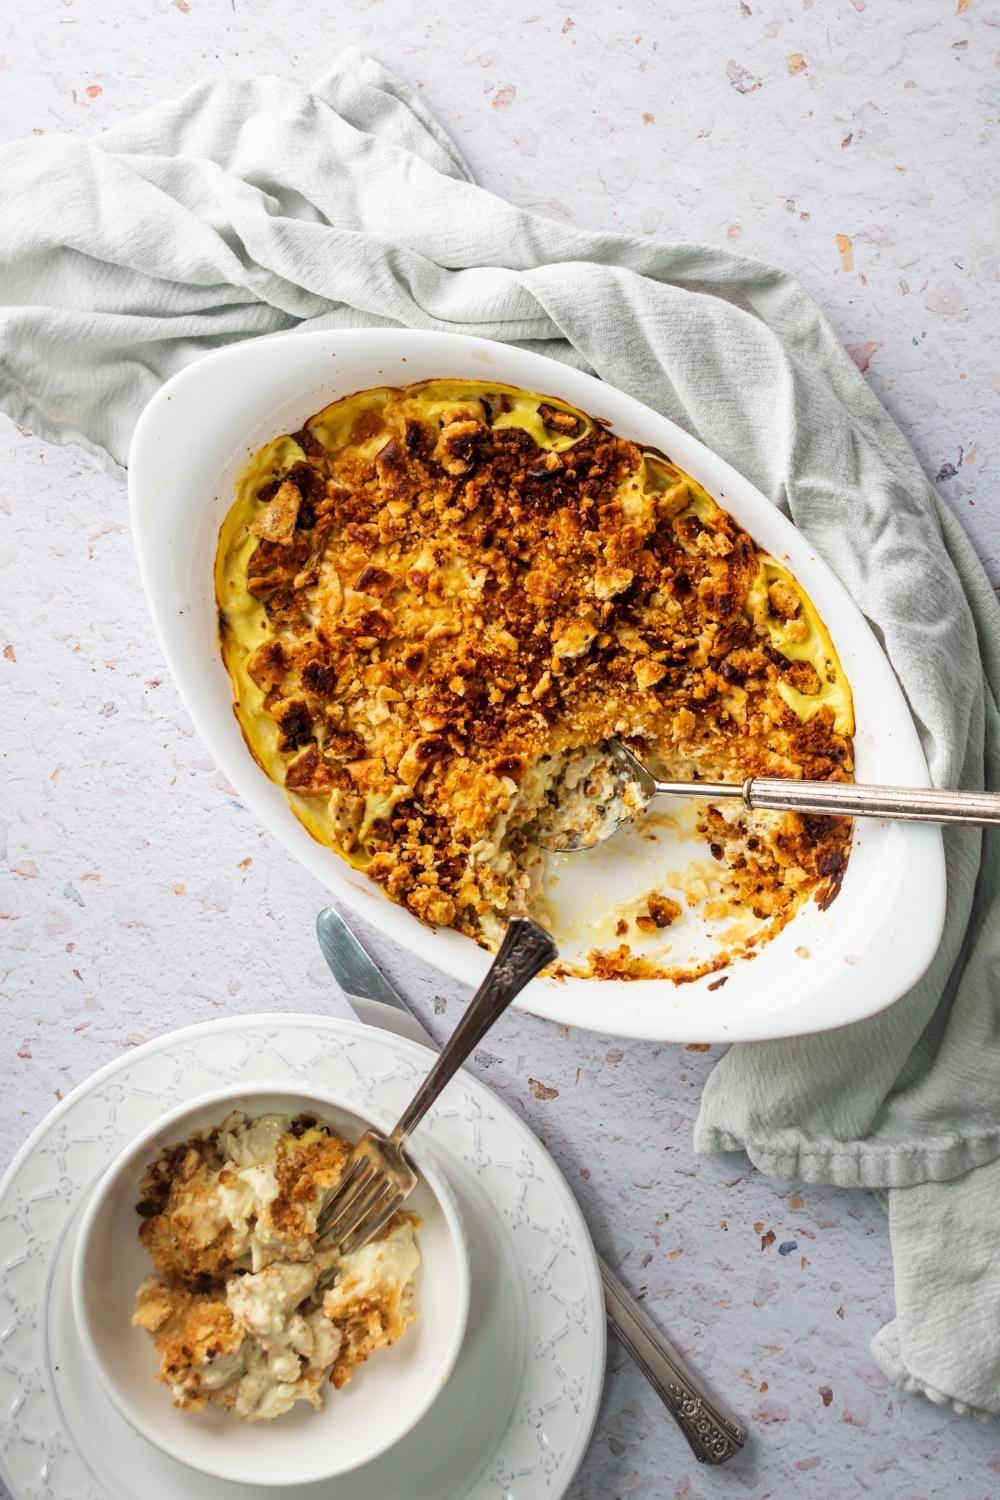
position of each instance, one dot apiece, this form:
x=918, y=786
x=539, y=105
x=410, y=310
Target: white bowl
x=384, y=1399
x=823, y=970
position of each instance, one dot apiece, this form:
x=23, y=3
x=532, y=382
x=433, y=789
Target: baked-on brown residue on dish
x=429, y=596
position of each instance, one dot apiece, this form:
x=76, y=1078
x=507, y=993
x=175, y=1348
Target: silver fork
x=378, y=1178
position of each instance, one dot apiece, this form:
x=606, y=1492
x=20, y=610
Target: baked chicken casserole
x=246, y=1311
x=435, y=602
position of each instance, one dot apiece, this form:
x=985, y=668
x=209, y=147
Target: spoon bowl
x=624, y=790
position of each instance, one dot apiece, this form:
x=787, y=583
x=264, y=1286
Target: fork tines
x=364, y=1202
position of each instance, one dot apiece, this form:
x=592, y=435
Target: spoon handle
x=525, y=949
x=910, y=804
x=713, y=1433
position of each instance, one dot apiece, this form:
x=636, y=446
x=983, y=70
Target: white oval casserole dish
x=823, y=970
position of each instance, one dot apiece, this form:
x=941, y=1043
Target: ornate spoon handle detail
x=713, y=1434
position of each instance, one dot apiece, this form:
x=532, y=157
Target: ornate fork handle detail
x=526, y=948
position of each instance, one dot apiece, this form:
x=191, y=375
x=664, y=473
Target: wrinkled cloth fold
x=254, y=205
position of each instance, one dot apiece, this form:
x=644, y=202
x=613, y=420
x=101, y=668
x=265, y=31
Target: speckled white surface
x=855, y=142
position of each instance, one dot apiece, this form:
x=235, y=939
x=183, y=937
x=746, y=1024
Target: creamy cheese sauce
x=283, y=1314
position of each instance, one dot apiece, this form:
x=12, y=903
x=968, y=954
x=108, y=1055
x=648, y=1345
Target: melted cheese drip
x=817, y=649
x=435, y=398
x=243, y=626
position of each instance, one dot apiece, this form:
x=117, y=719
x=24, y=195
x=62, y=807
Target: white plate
x=516, y=1416
x=823, y=970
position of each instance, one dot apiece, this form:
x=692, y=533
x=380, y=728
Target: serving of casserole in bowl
x=408, y=583
x=218, y=1325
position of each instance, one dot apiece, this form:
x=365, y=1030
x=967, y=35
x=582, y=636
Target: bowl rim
x=290, y=368
x=231, y=1094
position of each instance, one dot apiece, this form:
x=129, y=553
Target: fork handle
x=910, y=804
x=526, y=948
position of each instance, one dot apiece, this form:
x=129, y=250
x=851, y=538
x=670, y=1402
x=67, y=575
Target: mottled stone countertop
x=853, y=141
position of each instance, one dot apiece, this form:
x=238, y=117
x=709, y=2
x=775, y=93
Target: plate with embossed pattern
x=514, y=1420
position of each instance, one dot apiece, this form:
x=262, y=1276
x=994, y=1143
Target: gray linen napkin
x=252, y=205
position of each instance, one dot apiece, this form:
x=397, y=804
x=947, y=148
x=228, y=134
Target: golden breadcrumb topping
x=430, y=598
x=246, y=1310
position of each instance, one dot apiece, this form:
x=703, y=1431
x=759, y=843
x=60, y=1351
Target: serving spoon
x=635, y=787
